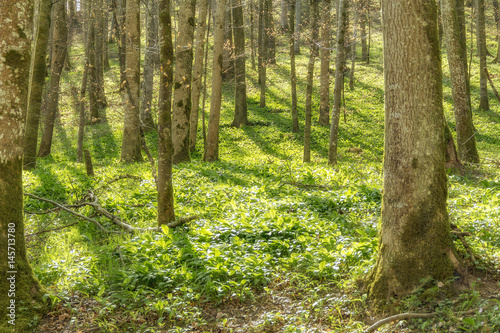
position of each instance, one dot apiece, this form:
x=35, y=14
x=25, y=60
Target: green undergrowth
x=282, y=243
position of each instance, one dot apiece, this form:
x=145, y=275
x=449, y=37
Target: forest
x=249, y=166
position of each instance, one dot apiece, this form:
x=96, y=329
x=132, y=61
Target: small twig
x=50, y=230
x=399, y=317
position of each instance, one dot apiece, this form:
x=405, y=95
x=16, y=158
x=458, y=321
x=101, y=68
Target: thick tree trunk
x=324, y=106
x=415, y=241
x=60, y=37
x=212, y=147
x=150, y=64
x=454, y=32
x=339, y=81
x=240, y=95
x=166, y=212
x=131, y=142
x=293, y=76
x=37, y=83
x=22, y=294
x=182, y=82
x=481, y=46
x=197, y=72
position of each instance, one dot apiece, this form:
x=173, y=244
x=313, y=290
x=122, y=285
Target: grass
x=265, y=255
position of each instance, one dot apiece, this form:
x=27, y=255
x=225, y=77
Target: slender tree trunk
x=353, y=54
x=119, y=8
x=37, y=83
x=363, y=20
x=60, y=38
x=415, y=241
x=310, y=76
x=93, y=66
x=81, y=123
x=99, y=58
x=271, y=33
x=252, y=28
x=284, y=16
x=150, y=64
x=228, y=55
x=298, y=25
x=197, y=71
x=104, y=38
x=293, y=76
x=454, y=32
x=324, y=107
x=182, y=82
x=131, y=142
x=212, y=147
x=496, y=12
x=481, y=46
x=263, y=46
x=166, y=212
x=339, y=81
x=15, y=270
x=240, y=96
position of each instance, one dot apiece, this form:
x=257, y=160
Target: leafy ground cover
x=280, y=246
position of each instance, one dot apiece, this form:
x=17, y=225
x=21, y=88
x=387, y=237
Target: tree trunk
x=212, y=147
x=119, y=8
x=481, y=46
x=60, y=37
x=415, y=241
x=150, y=63
x=496, y=12
x=18, y=286
x=310, y=76
x=263, y=46
x=240, y=96
x=271, y=33
x=228, y=55
x=104, y=37
x=182, y=82
x=131, y=142
x=166, y=212
x=363, y=20
x=339, y=81
x=37, y=83
x=298, y=26
x=324, y=107
x=293, y=76
x=353, y=53
x=454, y=33
x=252, y=28
x=284, y=15
x=81, y=122
x=93, y=67
x=197, y=72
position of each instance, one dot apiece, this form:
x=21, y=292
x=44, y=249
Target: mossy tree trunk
x=240, y=94
x=415, y=240
x=182, y=82
x=197, y=71
x=481, y=47
x=293, y=75
x=131, y=142
x=314, y=12
x=60, y=36
x=212, y=147
x=339, y=81
x=324, y=106
x=166, y=212
x=37, y=84
x=454, y=33
x=21, y=294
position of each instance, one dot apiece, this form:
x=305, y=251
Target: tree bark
x=182, y=82
x=310, y=76
x=271, y=33
x=284, y=15
x=454, y=33
x=298, y=26
x=59, y=54
x=228, y=55
x=496, y=11
x=197, y=72
x=17, y=307
x=363, y=20
x=415, y=240
x=240, y=95
x=37, y=83
x=293, y=76
x=481, y=47
x=339, y=81
x=166, y=212
x=131, y=142
x=263, y=54
x=212, y=147
x=251, y=9
x=324, y=106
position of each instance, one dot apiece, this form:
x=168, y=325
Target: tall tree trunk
x=197, y=72
x=104, y=37
x=99, y=61
x=252, y=28
x=93, y=67
x=263, y=54
x=81, y=122
x=166, y=212
x=310, y=76
x=131, y=142
x=415, y=240
x=119, y=8
x=182, y=82
x=293, y=76
x=37, y=83
x=339, y=81
x=298, y=25
x=271, y=33
x=456, y=46
x=228, y=55
x=150, y=63
x=481, y=46
x=240, y=94
x=353, y=53
x=284, y=15
x=496, y=11
x=15, y=270
x=212, y=147
x=324, y=106
x=363, y=13
x=60, y=38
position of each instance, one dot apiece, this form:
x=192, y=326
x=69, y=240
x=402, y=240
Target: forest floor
x=279, y=246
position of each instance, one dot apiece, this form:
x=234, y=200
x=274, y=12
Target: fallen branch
x=491, y=83
x=408, y=315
